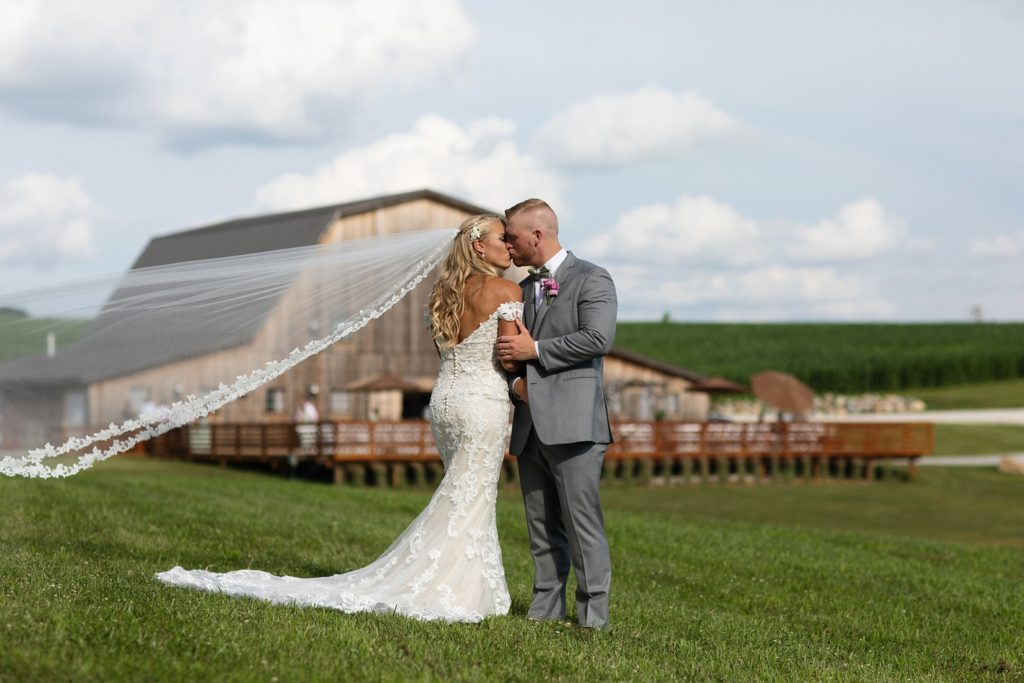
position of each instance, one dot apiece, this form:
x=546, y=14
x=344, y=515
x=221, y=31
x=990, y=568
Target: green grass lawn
x=1005, y=394
x=841, y=581
x=954, y=439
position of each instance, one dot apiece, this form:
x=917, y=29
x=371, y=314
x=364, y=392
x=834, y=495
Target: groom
x=560, y=430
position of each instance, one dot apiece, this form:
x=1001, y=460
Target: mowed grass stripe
x=956, y=439
x=1004, y=394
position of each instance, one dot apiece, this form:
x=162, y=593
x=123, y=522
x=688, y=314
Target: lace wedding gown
x=447, y=564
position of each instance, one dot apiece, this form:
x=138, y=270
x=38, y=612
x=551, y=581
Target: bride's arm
x=508, y=327
x=506, y=297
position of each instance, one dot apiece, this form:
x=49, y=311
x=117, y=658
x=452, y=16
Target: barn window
x=75, y=409
x=341, y=402
x=275, y=400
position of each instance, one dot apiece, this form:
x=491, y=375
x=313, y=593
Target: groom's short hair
x=530, y=205
x=526, y=205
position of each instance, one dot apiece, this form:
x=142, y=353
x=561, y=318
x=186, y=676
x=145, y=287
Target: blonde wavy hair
x=447, y=300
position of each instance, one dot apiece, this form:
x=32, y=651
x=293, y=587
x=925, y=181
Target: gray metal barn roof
x=80, y=362
x=273, y=231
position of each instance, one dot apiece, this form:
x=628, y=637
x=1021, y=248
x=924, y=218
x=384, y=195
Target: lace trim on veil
x=125, y=436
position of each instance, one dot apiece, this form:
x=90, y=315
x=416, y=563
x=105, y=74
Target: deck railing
x=665, y=452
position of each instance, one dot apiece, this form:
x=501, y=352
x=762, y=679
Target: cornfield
x=838, y=357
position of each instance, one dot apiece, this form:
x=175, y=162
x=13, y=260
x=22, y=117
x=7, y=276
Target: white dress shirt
x=552, y=265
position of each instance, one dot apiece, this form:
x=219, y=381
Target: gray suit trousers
x=566, y=526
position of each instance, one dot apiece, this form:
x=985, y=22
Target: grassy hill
x=21, y=335
x=839, y=357
x=845, y=581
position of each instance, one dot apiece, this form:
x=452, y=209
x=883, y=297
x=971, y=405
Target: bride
x=447, y=564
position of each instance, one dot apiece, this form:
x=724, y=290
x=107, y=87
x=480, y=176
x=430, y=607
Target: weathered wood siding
x=398, y=343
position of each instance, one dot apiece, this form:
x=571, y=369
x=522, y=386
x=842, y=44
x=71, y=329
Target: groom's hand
x=518, y=346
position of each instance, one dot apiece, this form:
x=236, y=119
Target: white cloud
x=999, y=246
x=259, y=69
x=650, y=123
x=703, y=255
x=44, y=220
x=692, y=226
x=699, y=229
x=772, y=283
x=859, y=230
x=761, y=293
x=479, y=163
x=765, y=284
x=852, y=310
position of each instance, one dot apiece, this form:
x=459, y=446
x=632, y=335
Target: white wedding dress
x=447, y=564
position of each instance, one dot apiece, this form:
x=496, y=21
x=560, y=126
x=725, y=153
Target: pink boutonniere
x=549, y=285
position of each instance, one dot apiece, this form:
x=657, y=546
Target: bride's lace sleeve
x=511, y=310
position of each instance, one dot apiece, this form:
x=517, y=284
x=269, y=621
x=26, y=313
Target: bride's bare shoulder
x=493, y=292
x=500, y=290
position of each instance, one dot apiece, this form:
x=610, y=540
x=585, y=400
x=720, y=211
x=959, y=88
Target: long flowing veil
x=75, y=357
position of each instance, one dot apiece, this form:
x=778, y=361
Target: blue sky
x=726, y=161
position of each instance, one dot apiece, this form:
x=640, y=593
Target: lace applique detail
x=447, y=565
x=510, y=310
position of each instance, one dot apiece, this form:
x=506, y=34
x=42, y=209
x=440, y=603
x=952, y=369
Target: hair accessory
x=475, y=232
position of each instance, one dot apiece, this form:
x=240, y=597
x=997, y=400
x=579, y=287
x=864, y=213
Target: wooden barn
x=383, y=372
x=642, y=388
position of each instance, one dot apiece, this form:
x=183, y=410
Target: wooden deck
x=658, y=452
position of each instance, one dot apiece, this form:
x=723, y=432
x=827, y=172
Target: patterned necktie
x=538, y=296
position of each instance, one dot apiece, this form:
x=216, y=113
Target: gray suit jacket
x=574, y=331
